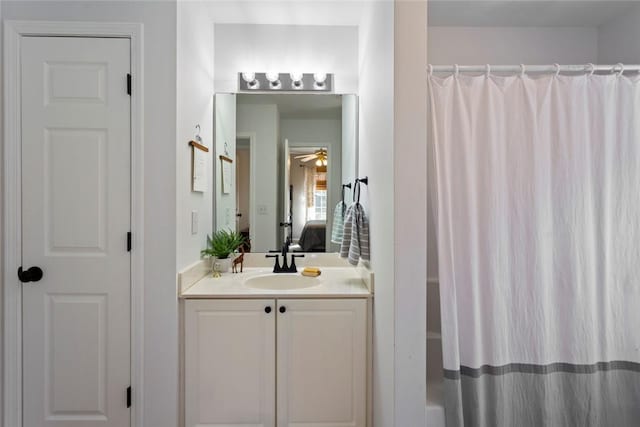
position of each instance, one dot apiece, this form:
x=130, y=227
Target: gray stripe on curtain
x=606, y=398
x=528, y=368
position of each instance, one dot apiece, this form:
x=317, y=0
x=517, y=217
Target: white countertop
x=334, y=282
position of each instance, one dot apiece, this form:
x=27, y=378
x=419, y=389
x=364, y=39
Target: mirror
x=279, y=164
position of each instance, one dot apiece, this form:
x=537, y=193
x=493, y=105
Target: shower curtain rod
x=554, y=68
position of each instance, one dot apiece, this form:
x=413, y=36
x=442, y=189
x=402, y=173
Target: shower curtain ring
x=591, y=68
x=522, y=70
x=557, y=69
x=621, y=66
x=430, y=68
x=488, y=70
x=456, y=70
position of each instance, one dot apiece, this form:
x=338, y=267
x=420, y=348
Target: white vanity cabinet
x=230, y=363
x=305, y=357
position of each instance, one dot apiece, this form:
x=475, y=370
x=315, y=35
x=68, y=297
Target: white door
x=75, y=220
x=287, y=193
x=230, y=363
x=322, y=363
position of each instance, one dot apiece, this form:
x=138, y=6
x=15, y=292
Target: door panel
x=76, y=215
x=321, y=363
x=229, y=363
x=287, y=218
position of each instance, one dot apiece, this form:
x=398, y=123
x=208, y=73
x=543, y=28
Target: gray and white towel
x=337, y=229
x=355, y=237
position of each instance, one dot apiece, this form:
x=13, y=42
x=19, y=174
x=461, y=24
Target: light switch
x=194, y=222
x=262, y=209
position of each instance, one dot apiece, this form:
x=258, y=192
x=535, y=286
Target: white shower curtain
x=538, y=218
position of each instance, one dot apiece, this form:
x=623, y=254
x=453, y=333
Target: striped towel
x=338, y=222
x=355, y=238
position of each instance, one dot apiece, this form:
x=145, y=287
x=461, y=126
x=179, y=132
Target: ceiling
x=526, y=13
x=298, y=106
x=285, y=12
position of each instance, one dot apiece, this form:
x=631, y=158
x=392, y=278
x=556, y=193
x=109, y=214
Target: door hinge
x=129, y=397
x=129, y=241
x=129, y=84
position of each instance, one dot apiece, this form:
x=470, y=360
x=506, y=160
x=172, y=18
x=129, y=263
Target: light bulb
x=274, y=81
x=320, y=78
x=318, y=162
x=248, y=76
x=324, y=162
x=296, y=80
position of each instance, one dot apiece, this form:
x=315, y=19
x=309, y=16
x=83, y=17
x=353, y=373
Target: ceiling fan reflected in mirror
x=320, y=156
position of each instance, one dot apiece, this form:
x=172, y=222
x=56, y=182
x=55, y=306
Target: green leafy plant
x=222, y=244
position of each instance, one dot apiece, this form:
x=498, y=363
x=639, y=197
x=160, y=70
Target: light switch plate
x=262, y=209
x=194, y=222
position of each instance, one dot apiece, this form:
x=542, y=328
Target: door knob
x=267, y=309
x=32, y=274
x=283, y=309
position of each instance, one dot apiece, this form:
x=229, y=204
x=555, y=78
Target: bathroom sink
x=281, y=282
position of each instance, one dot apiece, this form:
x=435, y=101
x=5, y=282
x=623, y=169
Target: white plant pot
x=221, y=265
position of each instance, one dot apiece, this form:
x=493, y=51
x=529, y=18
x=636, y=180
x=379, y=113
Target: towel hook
x=343, y=204
x=343, y=187
x=356, y=189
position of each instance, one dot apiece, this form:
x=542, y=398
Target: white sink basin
x=280, y=282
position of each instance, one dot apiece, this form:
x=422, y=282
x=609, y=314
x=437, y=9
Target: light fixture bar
x=285, y=82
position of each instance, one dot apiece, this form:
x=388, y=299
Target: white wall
x=512, y=45
x=194, y=106
x=286, y=48
x=262, y=121
x=410, y=229
x=375, y=158
x=225, y=145
x=619, y=40
x=1, y=214
x=349, y=140
x=504, y=45
x=325, y=133
x=160, y=403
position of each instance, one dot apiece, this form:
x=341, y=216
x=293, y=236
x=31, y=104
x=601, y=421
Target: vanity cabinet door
x=230, y=363
x=322, y=363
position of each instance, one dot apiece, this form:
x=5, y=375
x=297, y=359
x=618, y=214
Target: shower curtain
x=538, y=219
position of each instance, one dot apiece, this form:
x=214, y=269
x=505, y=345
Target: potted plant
x=220, y=246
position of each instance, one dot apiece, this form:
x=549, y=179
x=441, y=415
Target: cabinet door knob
x=267, y=309
x=283, y=309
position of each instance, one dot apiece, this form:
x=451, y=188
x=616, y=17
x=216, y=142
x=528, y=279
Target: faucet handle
x=276, y=267
x=292, y=267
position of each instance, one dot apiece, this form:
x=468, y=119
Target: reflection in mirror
x=291, y=154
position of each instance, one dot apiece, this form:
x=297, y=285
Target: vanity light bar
x=285, y=82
